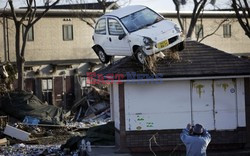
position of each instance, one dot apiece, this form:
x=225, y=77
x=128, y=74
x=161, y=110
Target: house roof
x=97, y=13
x=196, y=60
x=89, y=6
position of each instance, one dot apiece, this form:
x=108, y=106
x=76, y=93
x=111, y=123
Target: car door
x=101, y=35
x=119, y=47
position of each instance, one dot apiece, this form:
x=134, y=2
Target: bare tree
x=242, y=10
x=28, y=19
x=88, y=17
x=198, y=7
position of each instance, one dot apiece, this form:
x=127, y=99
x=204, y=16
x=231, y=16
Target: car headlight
x=147, y=41
x=177, y=28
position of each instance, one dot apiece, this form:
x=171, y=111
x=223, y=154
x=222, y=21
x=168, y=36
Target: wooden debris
x=3, y=142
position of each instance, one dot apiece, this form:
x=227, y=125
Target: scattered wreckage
x=135, y=31
x=31, y=127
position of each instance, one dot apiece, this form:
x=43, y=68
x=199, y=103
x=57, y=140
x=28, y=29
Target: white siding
x=216, y=104
x=241, y=103
x=202, y=103
x=157, y=106
x=225, y=104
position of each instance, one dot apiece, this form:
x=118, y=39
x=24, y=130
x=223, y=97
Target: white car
x=135, y=30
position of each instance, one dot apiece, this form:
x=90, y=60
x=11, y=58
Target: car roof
x=122, y=12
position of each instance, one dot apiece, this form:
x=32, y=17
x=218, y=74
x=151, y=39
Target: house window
x=227, y=30
x=67, y=32
x=115, y=27
x=199, y=31
x=47, y=88
x=101, y=27
x=30, y=35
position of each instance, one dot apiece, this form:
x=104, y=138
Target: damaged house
x=205, y=85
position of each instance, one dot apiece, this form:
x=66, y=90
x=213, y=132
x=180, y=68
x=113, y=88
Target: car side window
x=101, y=27
x=114, y=27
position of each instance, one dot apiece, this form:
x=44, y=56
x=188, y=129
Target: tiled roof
x=196, y=60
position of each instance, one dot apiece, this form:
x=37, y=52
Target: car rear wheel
x=104, y=58
x=140, y=56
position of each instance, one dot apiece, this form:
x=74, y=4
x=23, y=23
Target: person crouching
x=196, y=140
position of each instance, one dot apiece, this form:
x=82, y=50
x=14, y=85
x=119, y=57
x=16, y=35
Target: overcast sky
x=158, y=5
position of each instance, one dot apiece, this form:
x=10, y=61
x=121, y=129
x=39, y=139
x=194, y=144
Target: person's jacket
x=195, y=145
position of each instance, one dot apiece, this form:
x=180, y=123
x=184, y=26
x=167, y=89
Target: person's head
x=198, y=129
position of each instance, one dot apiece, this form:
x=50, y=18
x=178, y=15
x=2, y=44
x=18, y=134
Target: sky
x=158, y=5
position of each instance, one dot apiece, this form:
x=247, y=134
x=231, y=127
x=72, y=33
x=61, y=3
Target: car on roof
x=135, y=31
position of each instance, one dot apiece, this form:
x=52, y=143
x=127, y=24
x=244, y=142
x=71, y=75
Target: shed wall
x=216, y=104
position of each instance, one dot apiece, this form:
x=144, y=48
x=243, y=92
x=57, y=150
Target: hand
x=189, y=126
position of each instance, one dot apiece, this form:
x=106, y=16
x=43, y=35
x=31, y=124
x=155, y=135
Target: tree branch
x=238, y=8
x=214, y=30
x=45, y=11
x=177, y=8
x=13, y=10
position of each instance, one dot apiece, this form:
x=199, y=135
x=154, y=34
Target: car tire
x=140, y=56
x=103, y=57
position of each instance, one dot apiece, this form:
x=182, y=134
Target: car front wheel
x=104, y=58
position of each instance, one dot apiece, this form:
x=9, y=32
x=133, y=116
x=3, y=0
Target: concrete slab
x=16, y=133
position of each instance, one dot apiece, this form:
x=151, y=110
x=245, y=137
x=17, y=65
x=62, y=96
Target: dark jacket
x=195, y=145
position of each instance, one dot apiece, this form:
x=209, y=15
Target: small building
x=205, y=85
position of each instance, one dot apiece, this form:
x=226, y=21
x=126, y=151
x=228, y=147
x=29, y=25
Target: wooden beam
x=123, y=143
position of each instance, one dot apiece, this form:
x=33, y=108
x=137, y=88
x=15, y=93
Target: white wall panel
x=225, y=104
x=202, y=103
x=157, y=106
x=241, y=103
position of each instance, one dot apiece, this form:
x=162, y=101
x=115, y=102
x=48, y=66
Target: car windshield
x=140, y=19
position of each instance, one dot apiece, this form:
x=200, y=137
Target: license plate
x=162, y=44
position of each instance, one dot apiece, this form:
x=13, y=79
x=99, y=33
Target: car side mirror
x=121, y=36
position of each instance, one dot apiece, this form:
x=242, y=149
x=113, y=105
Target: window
x=47, y=88
x=140, y=19
x=30, y=35
x=114, y=27
x=226, y=30
x=67, y=32
x=199, y=31
x=101, y=27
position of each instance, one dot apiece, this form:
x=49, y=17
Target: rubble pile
x=31, y=127
x=93, y=109
x=31, y=150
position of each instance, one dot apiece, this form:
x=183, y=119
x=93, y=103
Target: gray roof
x=197, y=60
